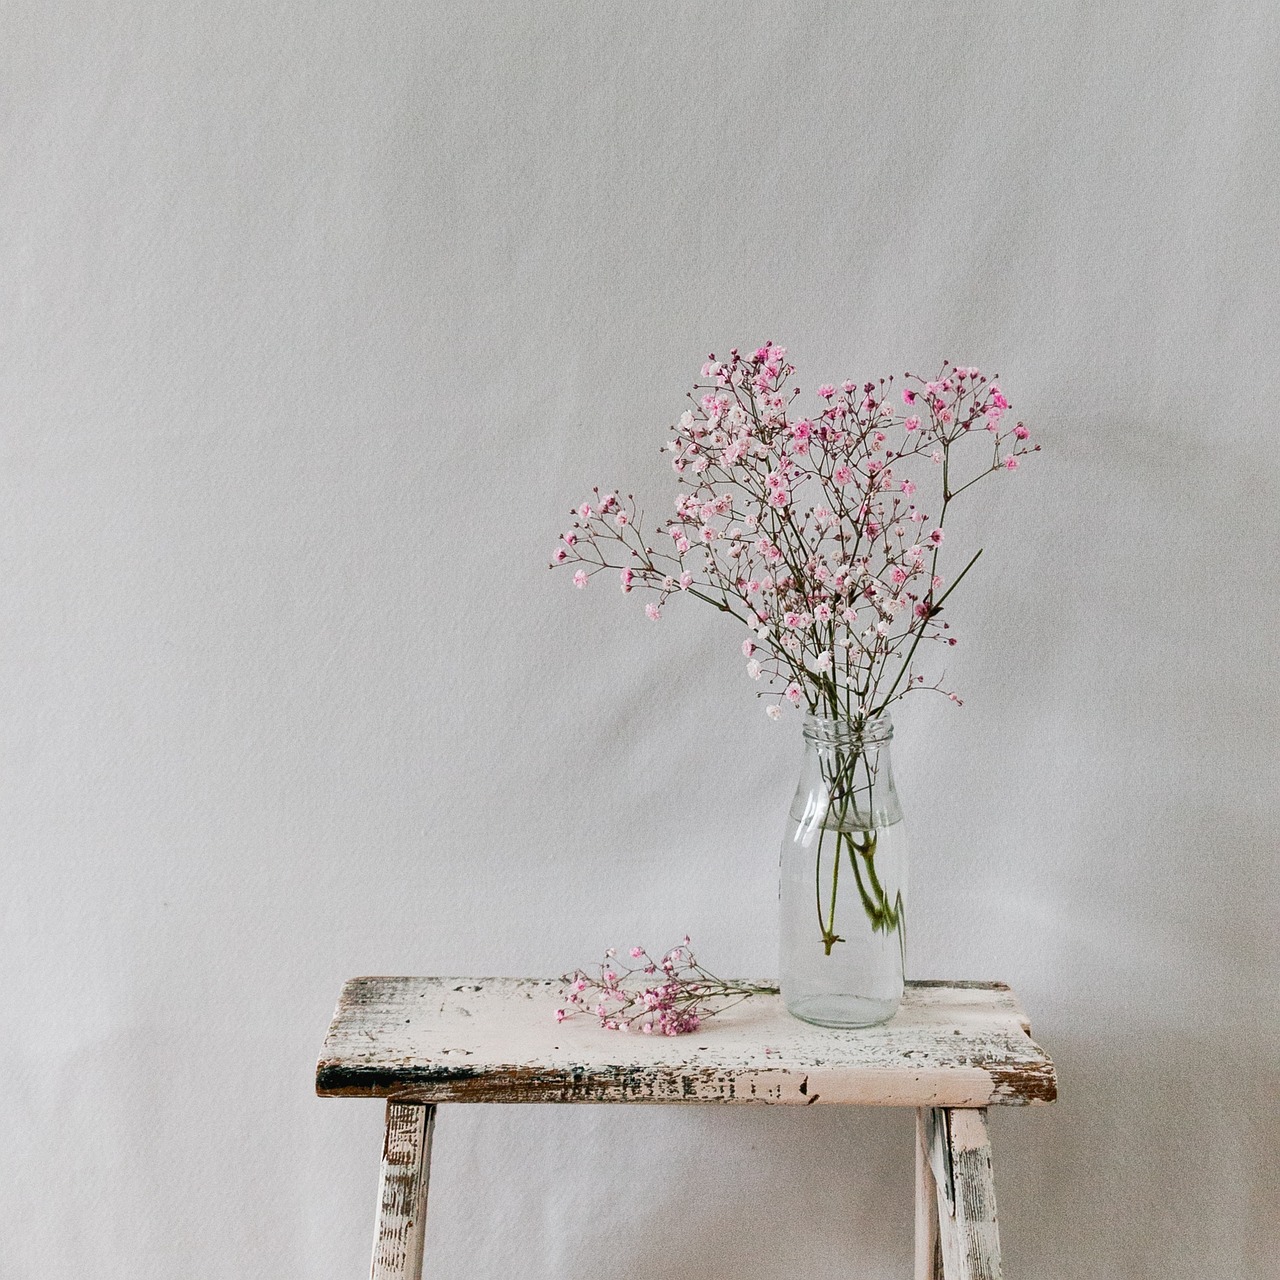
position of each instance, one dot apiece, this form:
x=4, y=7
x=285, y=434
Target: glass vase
x=843, y=878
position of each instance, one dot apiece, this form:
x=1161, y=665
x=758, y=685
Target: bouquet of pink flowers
x=823, y=532
x=812, y=529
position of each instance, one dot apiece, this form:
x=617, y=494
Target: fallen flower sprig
x=669, y=996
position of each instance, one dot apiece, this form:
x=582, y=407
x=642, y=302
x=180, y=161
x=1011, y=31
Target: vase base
x=842, y=1010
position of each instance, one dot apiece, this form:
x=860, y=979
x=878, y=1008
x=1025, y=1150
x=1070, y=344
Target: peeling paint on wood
x=968, y=1231
x=402, y=1192
x=495, y=1040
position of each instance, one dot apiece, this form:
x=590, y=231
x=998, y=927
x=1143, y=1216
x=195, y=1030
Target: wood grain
x=402, y=1192
x=928, y=1249
x=960, y=1157
x=496, y=1040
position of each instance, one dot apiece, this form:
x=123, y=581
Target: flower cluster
x=813, y=529
x=669, y=996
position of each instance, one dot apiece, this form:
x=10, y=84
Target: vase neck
x=848, y=733
x=847, y=773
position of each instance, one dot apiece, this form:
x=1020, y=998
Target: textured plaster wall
x=316, y=316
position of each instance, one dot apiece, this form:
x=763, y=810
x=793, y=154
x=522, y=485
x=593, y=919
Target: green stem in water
x=829, y=938
x=860, y=844
x=827, y=929
x=867, y=904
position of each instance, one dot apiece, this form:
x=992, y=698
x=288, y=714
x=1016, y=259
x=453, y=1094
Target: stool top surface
x=952, y=1044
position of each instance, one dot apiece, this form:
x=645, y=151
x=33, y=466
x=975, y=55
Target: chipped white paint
x=496, y=1040
x=960, y=1159
x=402, y=1192
x=952, y=1048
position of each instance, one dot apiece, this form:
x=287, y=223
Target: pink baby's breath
x=805, y=522
x=670, y=996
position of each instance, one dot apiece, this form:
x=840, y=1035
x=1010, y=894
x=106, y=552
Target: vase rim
x=839, y=730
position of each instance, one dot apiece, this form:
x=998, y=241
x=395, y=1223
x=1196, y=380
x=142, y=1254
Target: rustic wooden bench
x=954, y=1049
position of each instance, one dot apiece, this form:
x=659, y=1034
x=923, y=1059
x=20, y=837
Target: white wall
x=317, y=316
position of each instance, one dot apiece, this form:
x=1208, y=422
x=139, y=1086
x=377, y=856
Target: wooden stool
x=954, y=1049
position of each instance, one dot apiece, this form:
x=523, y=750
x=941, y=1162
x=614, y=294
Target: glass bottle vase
x=843, y=879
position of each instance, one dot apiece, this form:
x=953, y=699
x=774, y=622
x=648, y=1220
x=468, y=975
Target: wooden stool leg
x=402, y=1191
x=928, y=1248
x=960, y=1160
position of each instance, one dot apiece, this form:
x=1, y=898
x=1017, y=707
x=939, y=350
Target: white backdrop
x=315, y=319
